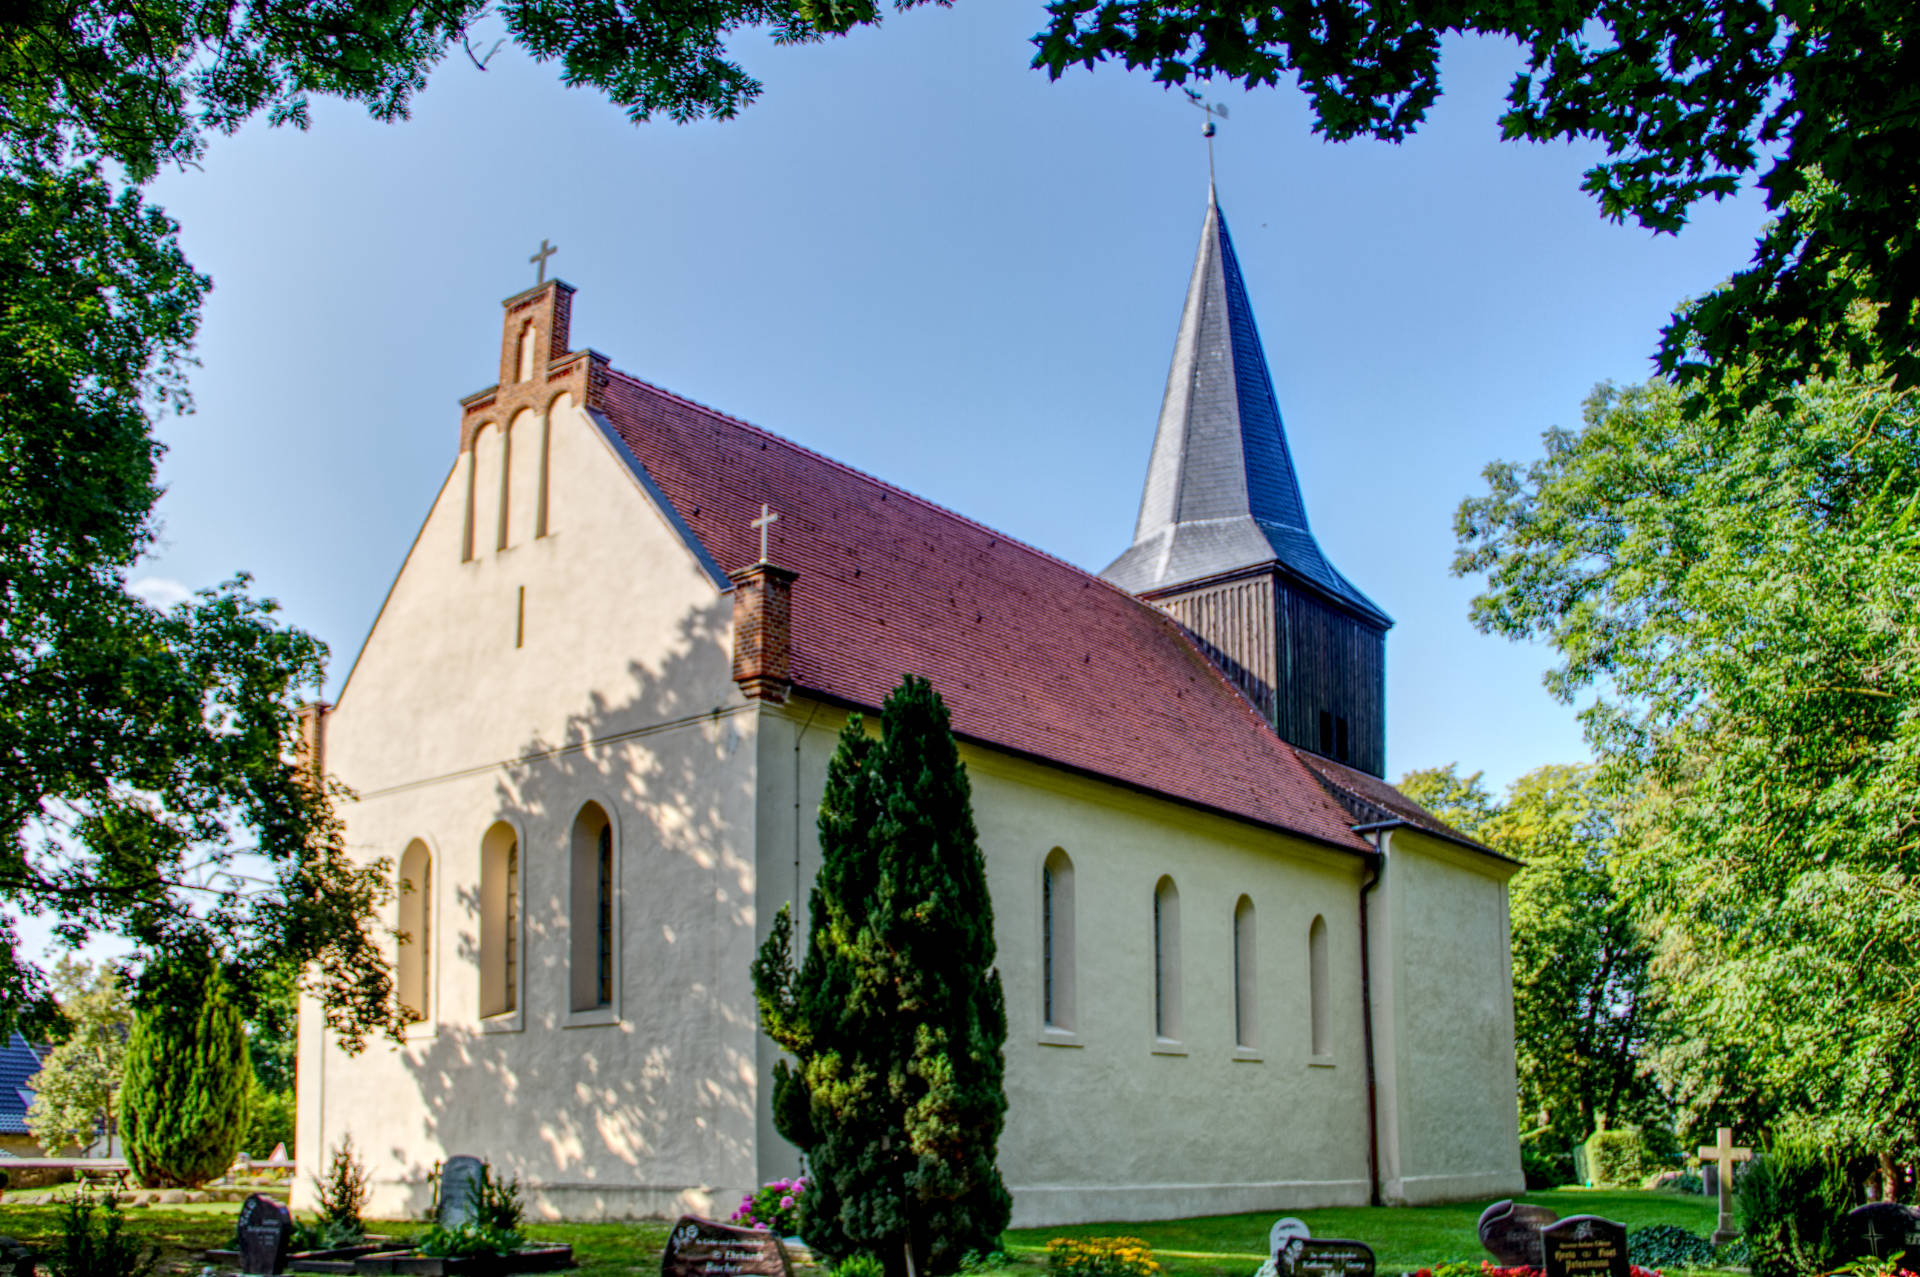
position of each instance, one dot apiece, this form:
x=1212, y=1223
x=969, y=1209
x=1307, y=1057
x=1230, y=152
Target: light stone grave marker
x=1723, y=1155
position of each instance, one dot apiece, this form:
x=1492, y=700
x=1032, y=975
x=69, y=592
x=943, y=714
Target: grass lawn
x=1403, y=1238
x=1217, y=1246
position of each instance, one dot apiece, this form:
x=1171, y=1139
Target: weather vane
x=1212, y=109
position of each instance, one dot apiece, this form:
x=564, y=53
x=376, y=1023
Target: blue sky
x=920, y=257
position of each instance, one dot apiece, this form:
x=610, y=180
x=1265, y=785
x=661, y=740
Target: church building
x=589, y=733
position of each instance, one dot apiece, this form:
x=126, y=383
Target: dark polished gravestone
x=1882, y=1229
x=1585, y=1246
x=1325, y=1257
x=703, y=1248
x=265, y=1229
x=1510, y=1231
x=460, y=1180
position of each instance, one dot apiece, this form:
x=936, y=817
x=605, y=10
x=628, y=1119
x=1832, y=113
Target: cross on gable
x=540, y=259
x=766, y=520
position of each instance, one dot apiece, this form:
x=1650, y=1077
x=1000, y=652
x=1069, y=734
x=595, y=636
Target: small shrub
x=343, y=1194
x=1617, y=1158
x=466, y=1240
x=774, y=1206
x=1685, y=1182
x=320, y=1235
x=1669, y=1244
x=1792, y=1204
x=496, y=1203
x=91, y=1247
x=1546, y=1169
x=1101, y=1257
x=860, y=1266
x=975, y=1263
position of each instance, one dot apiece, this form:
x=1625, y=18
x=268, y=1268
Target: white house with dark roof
x=590, y=728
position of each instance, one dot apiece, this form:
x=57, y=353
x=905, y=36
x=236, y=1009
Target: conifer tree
x=895, y=1017
x=189, y=1085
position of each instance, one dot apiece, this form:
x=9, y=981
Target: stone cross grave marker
x=1511, y=1233
x=703, y=1248
x=1723, y=1155
x=460, y=1179
x=1883, y=1229
x=1584, y=1246
x=265, y=1229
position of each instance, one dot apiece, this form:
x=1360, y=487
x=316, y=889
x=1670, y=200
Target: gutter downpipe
x=1376, y=866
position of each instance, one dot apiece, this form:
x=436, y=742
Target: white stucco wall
x=619, y=693
x=1105, y=1122
x=1443, y=1001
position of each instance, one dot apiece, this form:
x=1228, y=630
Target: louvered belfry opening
x=1222, y=542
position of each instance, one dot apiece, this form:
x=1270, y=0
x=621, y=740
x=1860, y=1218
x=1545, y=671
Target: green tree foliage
x=76, y=1093
x=135, y=742
x=895, y=1015
x=1745, y=596
x=1811, y=103
x=1583, y=1017
x=188, y=1089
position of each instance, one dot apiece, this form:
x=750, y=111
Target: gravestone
x=1325, y=1257
x=1585, y=1246
x=1722, y=1155
x=1511, y=1233
x=1882, y=1229
x=1284, y=1240
x=460, y=1180
x=1709, y=1179
x=703, y=1248
x=266, y=1226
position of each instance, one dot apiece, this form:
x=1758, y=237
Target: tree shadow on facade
x=630, y=1089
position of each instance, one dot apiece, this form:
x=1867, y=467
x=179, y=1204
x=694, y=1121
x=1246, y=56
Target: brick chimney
x=763, y=631
x=312, y=718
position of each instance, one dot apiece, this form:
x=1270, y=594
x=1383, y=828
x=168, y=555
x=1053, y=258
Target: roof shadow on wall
x=664, y=1092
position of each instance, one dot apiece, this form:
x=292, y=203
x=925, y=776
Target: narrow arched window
x=1056, y=941
x=1245, y=1004
x=592, y=919
x=499, y=921
x=1166, y=961
x=525, y=357
x=415, y=962
x=1317, y=986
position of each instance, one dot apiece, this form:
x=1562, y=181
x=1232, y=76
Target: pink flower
x=786, y=1203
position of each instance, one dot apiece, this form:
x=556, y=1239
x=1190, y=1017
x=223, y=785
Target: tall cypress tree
x=188, y=1085
x=895, y=1017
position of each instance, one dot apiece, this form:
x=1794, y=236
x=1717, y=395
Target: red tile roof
x=1030, y=654
x=1371, y=799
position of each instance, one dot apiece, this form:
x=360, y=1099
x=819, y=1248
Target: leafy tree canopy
x=1745, y=597
x=1814, y=103
x=76, y=1092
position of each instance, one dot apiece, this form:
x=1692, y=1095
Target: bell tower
x=1222, y=542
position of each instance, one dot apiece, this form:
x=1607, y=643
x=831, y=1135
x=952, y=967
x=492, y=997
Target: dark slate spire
x=1221, y=494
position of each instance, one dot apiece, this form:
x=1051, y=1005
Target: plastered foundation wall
x=1443, y=1000
x=474, y=705
x=1105, y=1121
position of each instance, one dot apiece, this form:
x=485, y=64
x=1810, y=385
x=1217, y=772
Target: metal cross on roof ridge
x=766, y=520
x=540, y=259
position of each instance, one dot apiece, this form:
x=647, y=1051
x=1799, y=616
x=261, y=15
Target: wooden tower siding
x=1296, y=658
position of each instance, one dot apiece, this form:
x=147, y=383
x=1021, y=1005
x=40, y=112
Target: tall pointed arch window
x=414, y=965
x=500, y=921
x=1246, y=1004
x=1166, y=961
x=1317, y=986
x=593, y=962
x=1057, y=975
